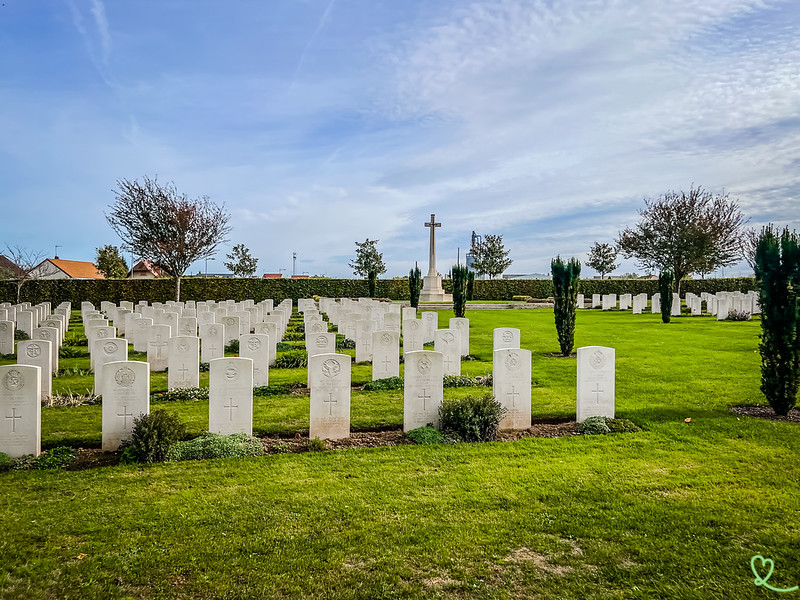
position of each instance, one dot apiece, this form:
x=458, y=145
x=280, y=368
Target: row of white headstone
x=720, y=304
x=231, y=381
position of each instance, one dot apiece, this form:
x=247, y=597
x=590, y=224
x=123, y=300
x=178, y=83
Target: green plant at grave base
x=622, y=426
x=343, y=343
x=20, y=335
x=276, y=389
x=8, y=357
x=72, y=372
x=778, y=275
x=470, y=286
x=316, y=445
x=594, y=426
x=460, y=381
x=55, y=458
x=204, y=367
x=181, y=395
x=471, y=418
x=70, y=352
x=292, y=360
x=232, y=347
x=152, y=436
x=6, y=462
x=414, y=286
x=293, y=336
x=213, y=445
x=387, y=383
x=427, y=435
x=460, y=276
x=283, y=347
x=738, y=315
x=566, y=279
x=665, y=283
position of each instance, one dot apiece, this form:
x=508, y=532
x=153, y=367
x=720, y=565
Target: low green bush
x=232, y=347
x=738, y=315
x=55, y=458
x=6, y=462
x=426, y=436
x=316, y=445
x=283, y=347
x=213, y=445
x=204, y=367
x=465, y=381
x=387, y=383
x=294, y=336
x=19, y=334
x=276, y=389
x=292, y=360
x=520, y=298
x=594, y=426
x=181, y=395
x=343, y=343
x=472, y=418
x=622, y=426
x=152, y=436
x=70, y=352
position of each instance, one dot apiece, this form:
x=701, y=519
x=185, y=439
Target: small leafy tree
x=368, y=263
x=778, y=275
x=156, y=222
x=110, y=263
x=685, y=232
x=20, y=266
x=240, y=262
x=566, y=278
x=414, y=285
x=750, y=240
x=490, y=256
x=665, y=283
x=460, y=277
x=601, y=258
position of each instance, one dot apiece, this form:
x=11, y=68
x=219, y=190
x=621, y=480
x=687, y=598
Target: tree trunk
x=178, y=289
x=19, y=290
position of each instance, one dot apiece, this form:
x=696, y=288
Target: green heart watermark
x=769, y=565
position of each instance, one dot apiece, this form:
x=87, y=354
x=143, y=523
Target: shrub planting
x=566, y=279
x=212, y=445
x=472, y=418
x=665, y=282
x=152, y=436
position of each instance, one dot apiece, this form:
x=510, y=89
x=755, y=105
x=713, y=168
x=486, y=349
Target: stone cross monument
x=432, y=290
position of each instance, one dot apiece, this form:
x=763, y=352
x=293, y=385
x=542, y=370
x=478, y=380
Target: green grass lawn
x=676, y=511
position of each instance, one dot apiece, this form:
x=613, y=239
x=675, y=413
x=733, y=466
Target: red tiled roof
x=272, y=276
x=76, y=269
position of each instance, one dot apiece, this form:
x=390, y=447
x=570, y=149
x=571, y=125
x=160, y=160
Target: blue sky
x=322, y=122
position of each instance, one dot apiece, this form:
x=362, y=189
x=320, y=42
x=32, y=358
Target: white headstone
x=187, y=327
x=230, y=402
x=448, y=342
x=21, y=410
x=423, y=389
x=212, y=344
x=256, y=347
x=232, y=324
x=141, y=334
x=676, y=305
x=505, y=337
x=413, y=335
x=270, y=328
x=50, y=334
x=329, y=380
x=579, y=302
x=609, y=301
x=596, y=301
x=184, y=359
x=158, y=347
x=6, y=337
x=126, y=396
x=38, y=353
x=461, y=324
x=385, y=354
x=106, y=351
x=511, y=386
x=596, y=396
x=321, y=343
x=430, y=323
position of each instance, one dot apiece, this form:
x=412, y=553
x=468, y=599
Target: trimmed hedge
x=212, y=288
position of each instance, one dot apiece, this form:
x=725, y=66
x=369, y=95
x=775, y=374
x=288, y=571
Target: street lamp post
x=208, y=259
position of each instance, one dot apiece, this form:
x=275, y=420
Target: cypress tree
x=414, y=285
x=665, y=282
x=778, y=276
x=471, y=286
x=460, y=281
x=566, y=278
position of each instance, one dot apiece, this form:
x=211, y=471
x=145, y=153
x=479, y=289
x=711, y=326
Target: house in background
x=145, y=269
x=8, y=265
x=58, y=268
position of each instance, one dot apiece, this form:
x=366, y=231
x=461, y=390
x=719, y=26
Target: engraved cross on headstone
x=125, y=414
x=513, y=393
x=448, y=361
x=386, y=363
x=597, y=391
x=330, y=402
x=158, y=344
x=230, y=406
x=432, y=251
x=183, y=371
x=424, y=397
x=14, y=416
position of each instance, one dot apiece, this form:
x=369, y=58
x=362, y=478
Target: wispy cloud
x=320, y=24
x=99, y=14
